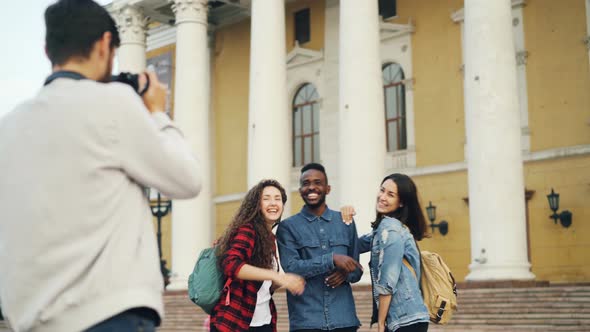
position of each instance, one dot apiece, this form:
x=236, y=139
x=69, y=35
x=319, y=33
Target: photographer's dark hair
x=73, y=26
x=410, y=214
x=315, y=166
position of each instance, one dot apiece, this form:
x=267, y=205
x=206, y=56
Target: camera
x=131, y=80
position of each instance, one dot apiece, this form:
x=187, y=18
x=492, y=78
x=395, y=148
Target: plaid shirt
x=236, y=316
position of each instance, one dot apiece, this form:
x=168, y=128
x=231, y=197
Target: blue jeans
x=134, y=320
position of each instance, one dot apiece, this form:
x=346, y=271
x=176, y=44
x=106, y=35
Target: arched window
x=306, y=126
x=395, y=107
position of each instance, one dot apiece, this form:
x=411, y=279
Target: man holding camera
x=77, y=246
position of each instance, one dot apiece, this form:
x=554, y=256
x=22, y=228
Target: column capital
x=132, y=25
x=190, y=11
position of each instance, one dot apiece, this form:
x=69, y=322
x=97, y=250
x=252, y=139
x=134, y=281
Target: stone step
x=520, y=321
x=532, y=298
x=565, y=308
x=519, y=328
x=519, y=310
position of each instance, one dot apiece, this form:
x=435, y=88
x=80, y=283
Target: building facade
x=485, y=104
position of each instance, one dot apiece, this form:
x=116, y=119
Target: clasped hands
x=344, y=265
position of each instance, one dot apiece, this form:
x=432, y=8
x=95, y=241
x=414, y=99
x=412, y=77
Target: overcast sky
x=23, y=63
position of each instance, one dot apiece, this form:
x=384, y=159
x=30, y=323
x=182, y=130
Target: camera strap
x=64, y=74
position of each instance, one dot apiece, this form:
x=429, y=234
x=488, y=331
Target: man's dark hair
x=315, y=166
x=73, y=26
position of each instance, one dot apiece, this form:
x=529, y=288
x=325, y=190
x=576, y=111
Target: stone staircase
x=553, y=308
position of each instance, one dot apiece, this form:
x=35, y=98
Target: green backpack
x=205, y=284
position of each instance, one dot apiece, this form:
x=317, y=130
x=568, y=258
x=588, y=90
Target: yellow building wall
x=317, y=13
x=446, y=192
x=224, y=213
x=558, y=253
x=438, y=86
x=296, y=202
x=558, y=73
x=166, y=238
x=230, y=83
x=558, y=81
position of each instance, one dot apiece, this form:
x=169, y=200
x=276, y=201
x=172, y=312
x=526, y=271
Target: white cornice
x=300, y=56
x=392, y=30
x=161, y=36
x=229, y=198
x=572, y=151
x=459, y=15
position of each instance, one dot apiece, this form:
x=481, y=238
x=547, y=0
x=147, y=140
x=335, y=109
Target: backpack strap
x=228, y=290
x=407, y=264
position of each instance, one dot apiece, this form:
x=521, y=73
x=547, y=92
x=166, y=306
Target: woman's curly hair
x=250, y=212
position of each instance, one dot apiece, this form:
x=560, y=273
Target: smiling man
x=317, y=245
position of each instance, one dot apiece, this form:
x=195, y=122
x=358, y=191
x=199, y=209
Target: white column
x=269, y=148
x=361, y=108
x=495, y=169
x=191, y=219
x=132, y=25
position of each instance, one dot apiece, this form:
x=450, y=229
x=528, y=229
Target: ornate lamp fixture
x=442, y=226
x=565, y=217
x=160, y=207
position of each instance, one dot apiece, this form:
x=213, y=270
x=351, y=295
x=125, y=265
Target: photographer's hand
x=155, y=97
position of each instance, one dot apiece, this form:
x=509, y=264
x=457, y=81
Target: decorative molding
x=459, y=15
x=194, y=11
x=132, y=25
x=557, y=153
x=228, y=198
x=515, y=21
x=549, y=154
x=300, y=56
x=160, y=36
x=521, y=57
x=392, y=30
x=409, y=83
x=403, y=159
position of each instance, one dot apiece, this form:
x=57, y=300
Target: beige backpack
x=438, y=286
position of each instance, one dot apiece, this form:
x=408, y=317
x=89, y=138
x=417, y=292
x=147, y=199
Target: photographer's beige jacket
x=76, y=238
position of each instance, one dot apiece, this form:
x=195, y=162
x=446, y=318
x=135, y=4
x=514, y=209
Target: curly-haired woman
x=247, y=253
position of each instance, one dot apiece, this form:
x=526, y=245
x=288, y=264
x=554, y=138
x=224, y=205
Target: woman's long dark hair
x=251, y=213
x=410, y=214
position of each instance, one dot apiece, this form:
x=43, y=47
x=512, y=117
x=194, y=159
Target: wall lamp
x=565, y=217
x=442, y=226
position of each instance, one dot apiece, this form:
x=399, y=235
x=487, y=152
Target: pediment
x=300, y=56
x=391, y=30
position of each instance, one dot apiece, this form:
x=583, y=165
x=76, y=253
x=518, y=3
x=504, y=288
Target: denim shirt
x=307, y=244
x=390, y=243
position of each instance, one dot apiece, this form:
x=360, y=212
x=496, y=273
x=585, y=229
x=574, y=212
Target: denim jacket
x=389, y=244
x=307, y=244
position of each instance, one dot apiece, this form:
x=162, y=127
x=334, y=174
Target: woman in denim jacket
x=397, y=300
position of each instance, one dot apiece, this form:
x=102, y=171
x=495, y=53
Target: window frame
x=401, y=118
x=298, y=110
x=302, y=26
